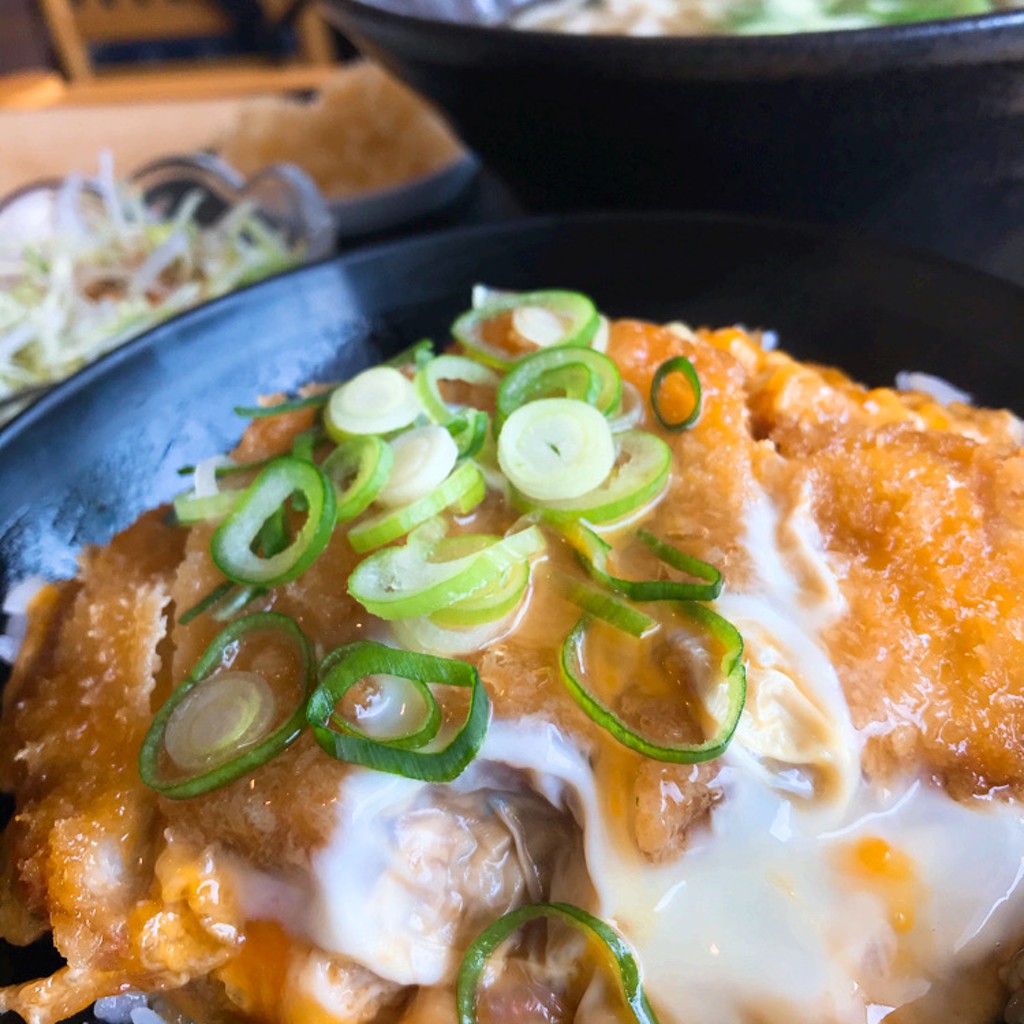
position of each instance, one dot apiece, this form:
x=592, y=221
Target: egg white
x=761, y=913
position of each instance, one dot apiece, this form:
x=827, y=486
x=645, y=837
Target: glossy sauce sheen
x=857, y=849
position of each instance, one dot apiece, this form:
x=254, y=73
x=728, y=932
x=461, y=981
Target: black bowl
x=101, y=448
x=916, y=131
x=104, y=446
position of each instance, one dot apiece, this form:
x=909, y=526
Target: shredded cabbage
x=106, y=267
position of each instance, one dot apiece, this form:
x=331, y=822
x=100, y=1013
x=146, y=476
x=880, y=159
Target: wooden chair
x=76, y=25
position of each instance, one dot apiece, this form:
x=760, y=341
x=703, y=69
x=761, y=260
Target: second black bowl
x=914, y=131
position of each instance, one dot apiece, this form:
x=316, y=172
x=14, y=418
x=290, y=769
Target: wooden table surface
x=52, y=142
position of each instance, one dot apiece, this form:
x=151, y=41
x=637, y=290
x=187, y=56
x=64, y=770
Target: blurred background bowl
x=282, y=196
x=913, y=131
x=389, y=208
x=92, y=290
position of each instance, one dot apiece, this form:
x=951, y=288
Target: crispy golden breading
x=80, y=848
x=920, y=512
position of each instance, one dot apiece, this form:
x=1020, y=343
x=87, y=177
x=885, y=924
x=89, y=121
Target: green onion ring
x=418, y=354
x=190, y=509
x=221, y=471
x=448, y=367
x=474, y=963
x=305, y=443
x=593, y=552
x=579, y=310
x=412, y=740
x=640, y=475
x=267, y=749
x=462, y=489
x=242, y=597
x=469, y=431
x=365, y=460
x=407, y=581
x=491, y=602
x=349, y=664
x=601, y=605
x=684, y=753
x=273, y=537
x=579, y=373
x=231, y=546
x=206, y=602
x=679, y=364
x=257, y=412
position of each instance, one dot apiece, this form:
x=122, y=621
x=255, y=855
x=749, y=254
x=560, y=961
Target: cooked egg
x=855, y=855
x=812, y=892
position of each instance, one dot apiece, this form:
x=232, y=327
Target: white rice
x=18, y=598
x=15, y=608
x=146, y=1015
x=935, y=387
x=121, y=1009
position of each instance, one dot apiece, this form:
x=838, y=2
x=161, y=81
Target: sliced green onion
x=493, y=600
x=421, y=634
x=474, y=963
x=469, y=431
x=582, y=374
x=678, y=753
x=463, y=489
x=377, y=711
x=231, y=711
x=359, y=467
x=223, y=602
x=640, y=474
x=352, y=663
x=577, y=312
x=446, y=367
x=679, y=364
x=190, y=509
x=482, y=294
x=671, y=555
x=376, y=401
x=594, y=551
x=556, y=448
x=236, y=602
x=601, y=605
x=417, y=354
x=228, y=469
x=538, y=325
x=218, y=733
x=273, y=537
x=256, y=412
x=471, y=497
x=632, y=412
x=403, y=582
x=232, y=544
x=205, y=603
x=305, y=443
x=422, y=459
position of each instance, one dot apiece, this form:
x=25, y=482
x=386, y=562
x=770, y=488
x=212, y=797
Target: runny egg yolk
x=260, y=980
x=889, y=873
x=255, y=979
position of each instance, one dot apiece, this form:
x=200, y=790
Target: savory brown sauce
x=919, y=510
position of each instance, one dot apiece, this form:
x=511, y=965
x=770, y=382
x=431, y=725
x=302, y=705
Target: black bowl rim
x=973, y=39
x=108, y=363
